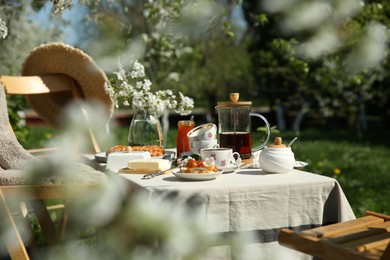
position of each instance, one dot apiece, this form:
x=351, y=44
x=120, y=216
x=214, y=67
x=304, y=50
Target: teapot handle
x=258, y=148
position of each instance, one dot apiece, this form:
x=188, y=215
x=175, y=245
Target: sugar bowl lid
x=277, y=143
x=234, y=101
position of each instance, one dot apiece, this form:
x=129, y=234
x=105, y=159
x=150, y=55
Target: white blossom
x=61, y=5
x=147, y=83
x=370, y=50
x=185, y=105
x=173, y=76
x=131, y=88
x=138, y=70
x=3, y=29
x=121, y=74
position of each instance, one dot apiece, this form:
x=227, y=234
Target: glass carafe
x=234, y=126
x=145, y=129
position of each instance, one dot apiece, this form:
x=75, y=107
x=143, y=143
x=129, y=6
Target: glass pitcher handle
x=258, y=148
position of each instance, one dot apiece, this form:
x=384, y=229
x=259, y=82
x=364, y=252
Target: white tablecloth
x=253, y=202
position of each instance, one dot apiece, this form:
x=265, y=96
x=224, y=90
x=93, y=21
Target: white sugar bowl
x=277, y=158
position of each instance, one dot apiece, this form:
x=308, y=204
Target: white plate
x=198, y=176
x=229, y=168
x=101, y=157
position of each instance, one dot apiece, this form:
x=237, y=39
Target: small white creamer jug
x=277, y=158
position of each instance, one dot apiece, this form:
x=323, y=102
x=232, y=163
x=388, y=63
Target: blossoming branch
x=133, y=88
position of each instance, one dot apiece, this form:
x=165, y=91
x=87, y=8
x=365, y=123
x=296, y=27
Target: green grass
x=360, y=165
x=363, y=171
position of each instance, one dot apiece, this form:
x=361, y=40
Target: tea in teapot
x=234, y=126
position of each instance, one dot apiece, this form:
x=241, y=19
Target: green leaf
x=262, y=19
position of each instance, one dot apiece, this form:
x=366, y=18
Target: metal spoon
x=292, y=141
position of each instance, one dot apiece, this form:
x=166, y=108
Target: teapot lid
x=234, y=101
x=277, y=143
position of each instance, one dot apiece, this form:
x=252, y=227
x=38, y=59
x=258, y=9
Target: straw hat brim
x=59, y=58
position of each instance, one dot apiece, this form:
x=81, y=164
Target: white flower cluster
x=3, y=29
x=132, y=88
x=61, y=5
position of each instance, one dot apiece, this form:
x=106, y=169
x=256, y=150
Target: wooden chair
x=19, y=200
x=367, y=237
x=53, y=75
x=20, y=203
x=15, y=239
x=54, y=83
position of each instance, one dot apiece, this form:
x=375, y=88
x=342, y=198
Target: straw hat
x=59, y=58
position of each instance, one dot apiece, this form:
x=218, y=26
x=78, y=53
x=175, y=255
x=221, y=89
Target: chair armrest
x=43, y=152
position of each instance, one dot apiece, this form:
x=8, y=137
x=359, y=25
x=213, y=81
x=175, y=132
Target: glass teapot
x=234, y=126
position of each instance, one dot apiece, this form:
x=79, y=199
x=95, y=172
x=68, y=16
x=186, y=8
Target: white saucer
x=229, y=168
x=299, y=164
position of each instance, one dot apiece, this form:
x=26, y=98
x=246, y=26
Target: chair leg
x=23, y=213
x=386, y=254
x=45, y=221
x=28, y=229
x=64, y=223
x=12, y=238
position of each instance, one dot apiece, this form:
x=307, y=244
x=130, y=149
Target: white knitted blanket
x=12, y=154
x=14, y=160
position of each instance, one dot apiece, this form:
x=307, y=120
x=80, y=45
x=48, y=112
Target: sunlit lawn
x=363, y=171
x=362, y=167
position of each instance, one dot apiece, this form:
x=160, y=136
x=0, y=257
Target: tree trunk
x=361, y=121
x=212, y=102
x=165, y=125
x=299, y=118
x=280, y=120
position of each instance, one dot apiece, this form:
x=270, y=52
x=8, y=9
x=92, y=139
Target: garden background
x=318, y=70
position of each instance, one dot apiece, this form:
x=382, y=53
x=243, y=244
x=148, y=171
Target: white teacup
x=205, y=132
x=193, y=134
x=223, y=157
x=208, y=132
x=197, y=146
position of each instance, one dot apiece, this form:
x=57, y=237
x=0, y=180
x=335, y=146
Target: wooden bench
x=367, y=237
